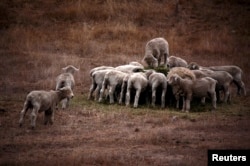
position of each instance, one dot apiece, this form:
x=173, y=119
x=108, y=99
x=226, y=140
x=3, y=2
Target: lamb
x=203, y=87
x=235, y=71
x=174, y=61
x=155, y=50
x=66, y=79
x=97, y=78
x=224, y=80
x=112, y=79
x=139, y=82
x=155, y=81
x=44, y=101
x=183, y=73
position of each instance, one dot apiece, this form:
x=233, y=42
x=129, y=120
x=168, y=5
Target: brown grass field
x=40, y=37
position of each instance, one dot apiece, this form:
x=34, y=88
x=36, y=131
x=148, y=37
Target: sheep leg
x=227, y=94
x=153, y=96
x=97, y=94
x=34, y=117
x=187, y=103
x=101, y=93
x=163, y=94
x=111, y=94
x=214, y=100
x=91, y=91
x=128, y=97
x=137, y=96
x=22, y=114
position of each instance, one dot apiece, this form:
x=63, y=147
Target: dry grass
x=40, y=37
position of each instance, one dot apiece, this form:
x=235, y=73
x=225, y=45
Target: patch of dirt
x=92, y=137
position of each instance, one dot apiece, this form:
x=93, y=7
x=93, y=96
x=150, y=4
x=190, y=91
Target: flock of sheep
x=127, y=82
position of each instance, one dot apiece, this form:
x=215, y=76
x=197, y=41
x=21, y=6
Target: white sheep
x=155, y=50
x=223, y=78
x=97, y=78
x=203, y=87
x=157, y=80
x=136, y=64
x=112, y=80
x=235, y=71
x=44, y=101
x=139, y=82
x=183, y=73
x=174, y=61
x=66, y=79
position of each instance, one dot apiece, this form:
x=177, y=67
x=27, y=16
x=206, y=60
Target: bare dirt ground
x=86, y=135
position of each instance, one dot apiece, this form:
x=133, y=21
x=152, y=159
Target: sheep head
x=66, y=92
x=174, y=79
x=150, y=61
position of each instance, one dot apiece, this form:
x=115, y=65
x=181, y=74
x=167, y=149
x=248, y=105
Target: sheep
x=174, y=61
x=156, y=80
x=129, y=68
x=44, y=101
x=66, y=79
x=203, y=87
x=183, y=73
x=155, y=50
x=97, y=78
x=139, y=82
x=114, y=80
x=235, y=71
x=223, y=78
x=99, y=68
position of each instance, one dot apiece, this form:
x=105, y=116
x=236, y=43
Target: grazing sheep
x=139, y=82
x=112, y=79
x=155, y=81
x=44, y=101
x=174, y=61
x=66, y=79
x=203, y=87
x=155, y=50
x=235, y=71
x=97, y=78
x=223, y=78
x=99, y=68
x=183, y=73
x=129, y=68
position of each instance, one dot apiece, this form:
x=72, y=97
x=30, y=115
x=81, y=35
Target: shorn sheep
x=97, y=78
x=235, y=71
x=183, y=73
x=203, y=87
x=44, y=101
x=157, y=80
x=223, y=78
x=156, y=50
x=66, y=79
x=139, y=82
x=174, y=61
x=112, y=80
